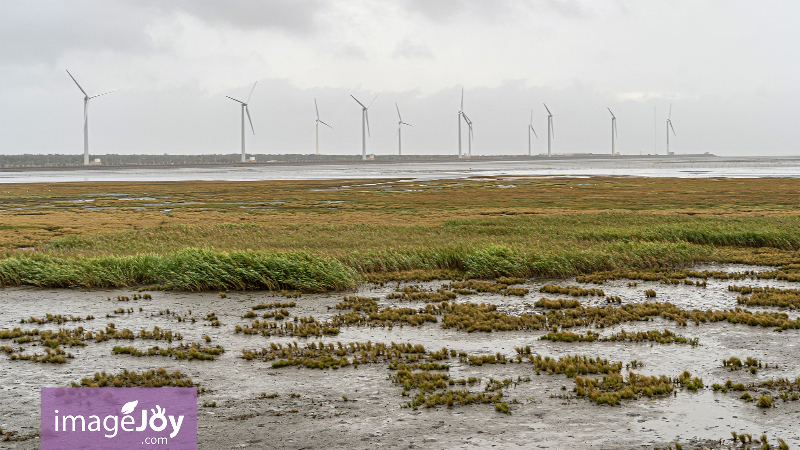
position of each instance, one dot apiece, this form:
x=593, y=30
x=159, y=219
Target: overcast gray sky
x=730, y=68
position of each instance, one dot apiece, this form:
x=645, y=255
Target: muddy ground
x=310, y=412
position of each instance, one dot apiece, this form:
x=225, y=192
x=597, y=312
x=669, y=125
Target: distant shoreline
x=379, y=160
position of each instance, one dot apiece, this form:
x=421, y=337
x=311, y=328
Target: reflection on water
x=674, y=166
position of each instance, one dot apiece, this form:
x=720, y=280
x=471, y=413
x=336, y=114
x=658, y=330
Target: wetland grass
x=183, y=351
x=58, y=319
x=151, y=378
x=574, y=291
x=557, y=304
x=274, y=305
x=414, y=293
x=448, y=230
x=734, y=363
x=767, y=296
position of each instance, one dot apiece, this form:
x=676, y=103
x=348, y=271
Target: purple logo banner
x=119, y=418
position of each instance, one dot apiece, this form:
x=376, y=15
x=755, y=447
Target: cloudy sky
x=729, y=68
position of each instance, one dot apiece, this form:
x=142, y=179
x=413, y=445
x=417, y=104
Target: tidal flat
x=261, y=404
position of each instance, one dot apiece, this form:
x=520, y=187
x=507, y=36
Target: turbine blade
x=407, y=124
x=548, y=109
x=531, y=118
x=95, y=96
x=673, y=128
x=247, y=110
x=317, y=108
x=534, y=131
x=670, y=111
x=462, y=98
x=552, y=128
x=398, y=112
x=326, y=124
x=612, y=114
x=373, y=100
x=235, y=99
x=366, y=115
x=76, y=82
x=362, y=105
x=251, y=92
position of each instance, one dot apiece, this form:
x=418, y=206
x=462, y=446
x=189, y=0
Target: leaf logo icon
x=129, y=407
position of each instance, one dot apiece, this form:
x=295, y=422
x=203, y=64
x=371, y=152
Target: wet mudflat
x=360, y=406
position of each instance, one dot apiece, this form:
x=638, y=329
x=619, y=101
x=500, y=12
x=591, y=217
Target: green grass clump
x=274, y=305
x=574, y=291
x=55, y=318
x=183, y=351
x=150, y=378
x=54, y=355
x=479, y=360
x=767, y=296
x=484, y=317
x=572, y=365
x=734, y=363
x=559, y=303
x=614, y=387
x=414, y=293
x=365, y=304
x=661, y=337
x=568, y=336
x=470, y=287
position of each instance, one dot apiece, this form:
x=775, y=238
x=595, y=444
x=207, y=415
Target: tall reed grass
x=189, y=269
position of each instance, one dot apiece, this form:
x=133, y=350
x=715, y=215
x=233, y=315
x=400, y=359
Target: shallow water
x=377, y=417
x=672, y=166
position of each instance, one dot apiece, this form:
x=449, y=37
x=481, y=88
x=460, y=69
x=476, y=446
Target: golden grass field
x=34, y=213
x=528, y=226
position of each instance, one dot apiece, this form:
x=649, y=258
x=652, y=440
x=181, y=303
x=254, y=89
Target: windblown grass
x=386, y=231
x=189, y=269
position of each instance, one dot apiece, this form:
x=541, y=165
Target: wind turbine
x=364, y=123
x=86, y=99
x=319, y=122
x=469, y=137
x=613, y=131
x=245, y=109
x=669, y=125
x=461, y=115
x=400, y=124
x=530, y=128
x=550, y=130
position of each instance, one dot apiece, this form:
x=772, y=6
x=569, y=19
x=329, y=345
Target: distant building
x=95, y=162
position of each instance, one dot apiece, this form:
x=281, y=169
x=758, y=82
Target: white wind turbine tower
x=86, y=99
x=461, y=115
x=400, y=124
x=669, y=125
x=364, y=123
x=319, y=122
x=613, y=132
x=245, y=109
x=551, y=133
x=530, y=128
x=469, y=136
